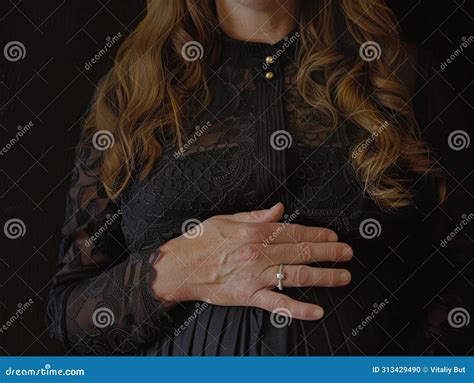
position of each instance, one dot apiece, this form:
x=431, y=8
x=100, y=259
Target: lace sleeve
x=448, y=312
x=100, y=301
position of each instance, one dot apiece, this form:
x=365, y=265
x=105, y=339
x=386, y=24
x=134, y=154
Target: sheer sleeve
x=101, y=301
x=447, y=313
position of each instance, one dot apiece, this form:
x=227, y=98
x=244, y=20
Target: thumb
x=259, y=216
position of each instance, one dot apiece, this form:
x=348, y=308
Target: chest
x=256, y=144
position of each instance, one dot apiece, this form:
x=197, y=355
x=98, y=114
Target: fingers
x=306, y=252
x=275, y=302
x=259, y=216
x=307, y=276
x=263, y=226
x=271, y=233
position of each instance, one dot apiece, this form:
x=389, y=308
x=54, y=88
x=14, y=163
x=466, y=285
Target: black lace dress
x=259, y=143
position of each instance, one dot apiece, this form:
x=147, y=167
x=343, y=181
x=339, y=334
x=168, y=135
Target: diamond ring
x=280, y=276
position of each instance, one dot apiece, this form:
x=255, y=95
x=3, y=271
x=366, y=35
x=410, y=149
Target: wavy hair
x=150, y=85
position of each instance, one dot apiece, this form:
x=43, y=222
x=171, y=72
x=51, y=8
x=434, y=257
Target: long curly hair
x=151, y=83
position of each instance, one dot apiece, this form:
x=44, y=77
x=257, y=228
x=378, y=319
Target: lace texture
x=101, y=301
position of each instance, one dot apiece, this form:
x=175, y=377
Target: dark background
x=51, y=87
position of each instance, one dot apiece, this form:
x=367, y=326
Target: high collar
x=247, y=53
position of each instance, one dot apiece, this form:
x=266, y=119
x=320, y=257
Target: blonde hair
x=150, y=84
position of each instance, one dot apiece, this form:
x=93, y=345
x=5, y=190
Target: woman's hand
x=231, y=265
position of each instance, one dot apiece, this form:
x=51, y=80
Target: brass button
x=269, y=60
x=269, y=75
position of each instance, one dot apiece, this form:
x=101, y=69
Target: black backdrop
x=51, y=87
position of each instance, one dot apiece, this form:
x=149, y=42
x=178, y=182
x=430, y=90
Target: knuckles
x=249, y=232
x=304, y=250
x=302, y=276
x=250, y=252
x=296, y=233
x=331, y=277
x=335, y=251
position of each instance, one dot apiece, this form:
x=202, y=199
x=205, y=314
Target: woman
x=249, y=183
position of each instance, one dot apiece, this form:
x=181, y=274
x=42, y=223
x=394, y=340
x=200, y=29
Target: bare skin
x=229, y=264
x=262, y=21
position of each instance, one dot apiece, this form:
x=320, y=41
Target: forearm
x=112, y=312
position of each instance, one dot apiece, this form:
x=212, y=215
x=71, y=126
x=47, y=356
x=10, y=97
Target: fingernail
x=318, y=313
x=274, y=206
x=347, y=253
x=332, y=237
x=344, y=276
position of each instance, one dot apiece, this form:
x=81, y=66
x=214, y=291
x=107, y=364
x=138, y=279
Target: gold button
x=269, y=60
x=269, y=75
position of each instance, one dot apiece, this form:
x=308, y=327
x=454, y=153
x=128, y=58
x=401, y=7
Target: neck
x=262, y=21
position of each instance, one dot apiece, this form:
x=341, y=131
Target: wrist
x=166, y=285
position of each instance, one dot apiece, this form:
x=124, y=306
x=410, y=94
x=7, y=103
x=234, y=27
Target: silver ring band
x=280, y=276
